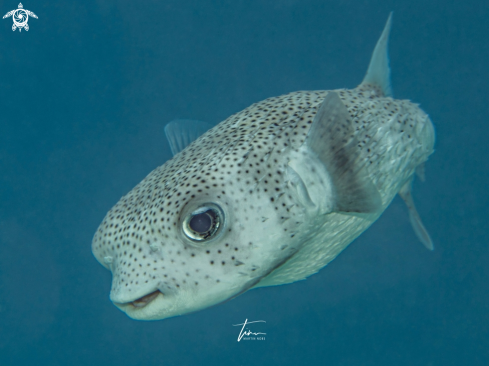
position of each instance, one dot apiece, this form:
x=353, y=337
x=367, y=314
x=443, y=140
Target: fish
x=267, y=197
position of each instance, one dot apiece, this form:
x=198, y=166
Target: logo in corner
x=20, y=17
x=247, y=335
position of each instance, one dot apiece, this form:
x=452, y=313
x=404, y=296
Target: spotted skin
x=269, y=237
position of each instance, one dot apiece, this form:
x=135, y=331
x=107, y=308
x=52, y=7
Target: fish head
x=197, y=231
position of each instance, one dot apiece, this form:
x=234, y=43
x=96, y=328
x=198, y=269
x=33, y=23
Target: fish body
x=267, y=197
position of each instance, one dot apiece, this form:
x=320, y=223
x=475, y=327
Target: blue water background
x=84, y=96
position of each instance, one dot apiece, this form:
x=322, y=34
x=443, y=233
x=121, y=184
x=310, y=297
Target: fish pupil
x=201, y=223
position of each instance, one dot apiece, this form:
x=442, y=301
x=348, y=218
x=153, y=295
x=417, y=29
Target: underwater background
x=84, y=97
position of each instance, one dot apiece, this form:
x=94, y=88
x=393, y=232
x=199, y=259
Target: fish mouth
x=142, y=301
x=146, y=299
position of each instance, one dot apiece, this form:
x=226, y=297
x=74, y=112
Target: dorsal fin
x=182, y=132
x=379, y=73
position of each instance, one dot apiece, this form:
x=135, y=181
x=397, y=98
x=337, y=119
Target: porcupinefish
x=267, y=197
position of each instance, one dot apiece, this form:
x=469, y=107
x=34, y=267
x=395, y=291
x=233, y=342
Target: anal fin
x=414, y=217
x=332, y=139
x=420, y=172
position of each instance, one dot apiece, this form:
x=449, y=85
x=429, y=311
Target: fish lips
x=145, y=307
x=157, y=306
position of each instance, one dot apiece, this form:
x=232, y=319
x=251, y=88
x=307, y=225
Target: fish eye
x=204, y=222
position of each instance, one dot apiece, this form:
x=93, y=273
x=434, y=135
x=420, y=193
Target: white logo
x=20, y=17
x=248, y=335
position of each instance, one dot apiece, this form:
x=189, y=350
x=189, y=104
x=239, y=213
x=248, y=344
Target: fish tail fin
x=379, y=73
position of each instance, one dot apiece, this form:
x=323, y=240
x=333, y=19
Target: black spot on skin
x=272, y=124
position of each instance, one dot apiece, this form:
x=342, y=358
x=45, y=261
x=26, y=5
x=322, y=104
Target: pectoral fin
x=182, y=132
x=332, y=139
x=416, y=222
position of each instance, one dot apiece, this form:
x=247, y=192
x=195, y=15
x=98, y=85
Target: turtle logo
x=20, y=17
